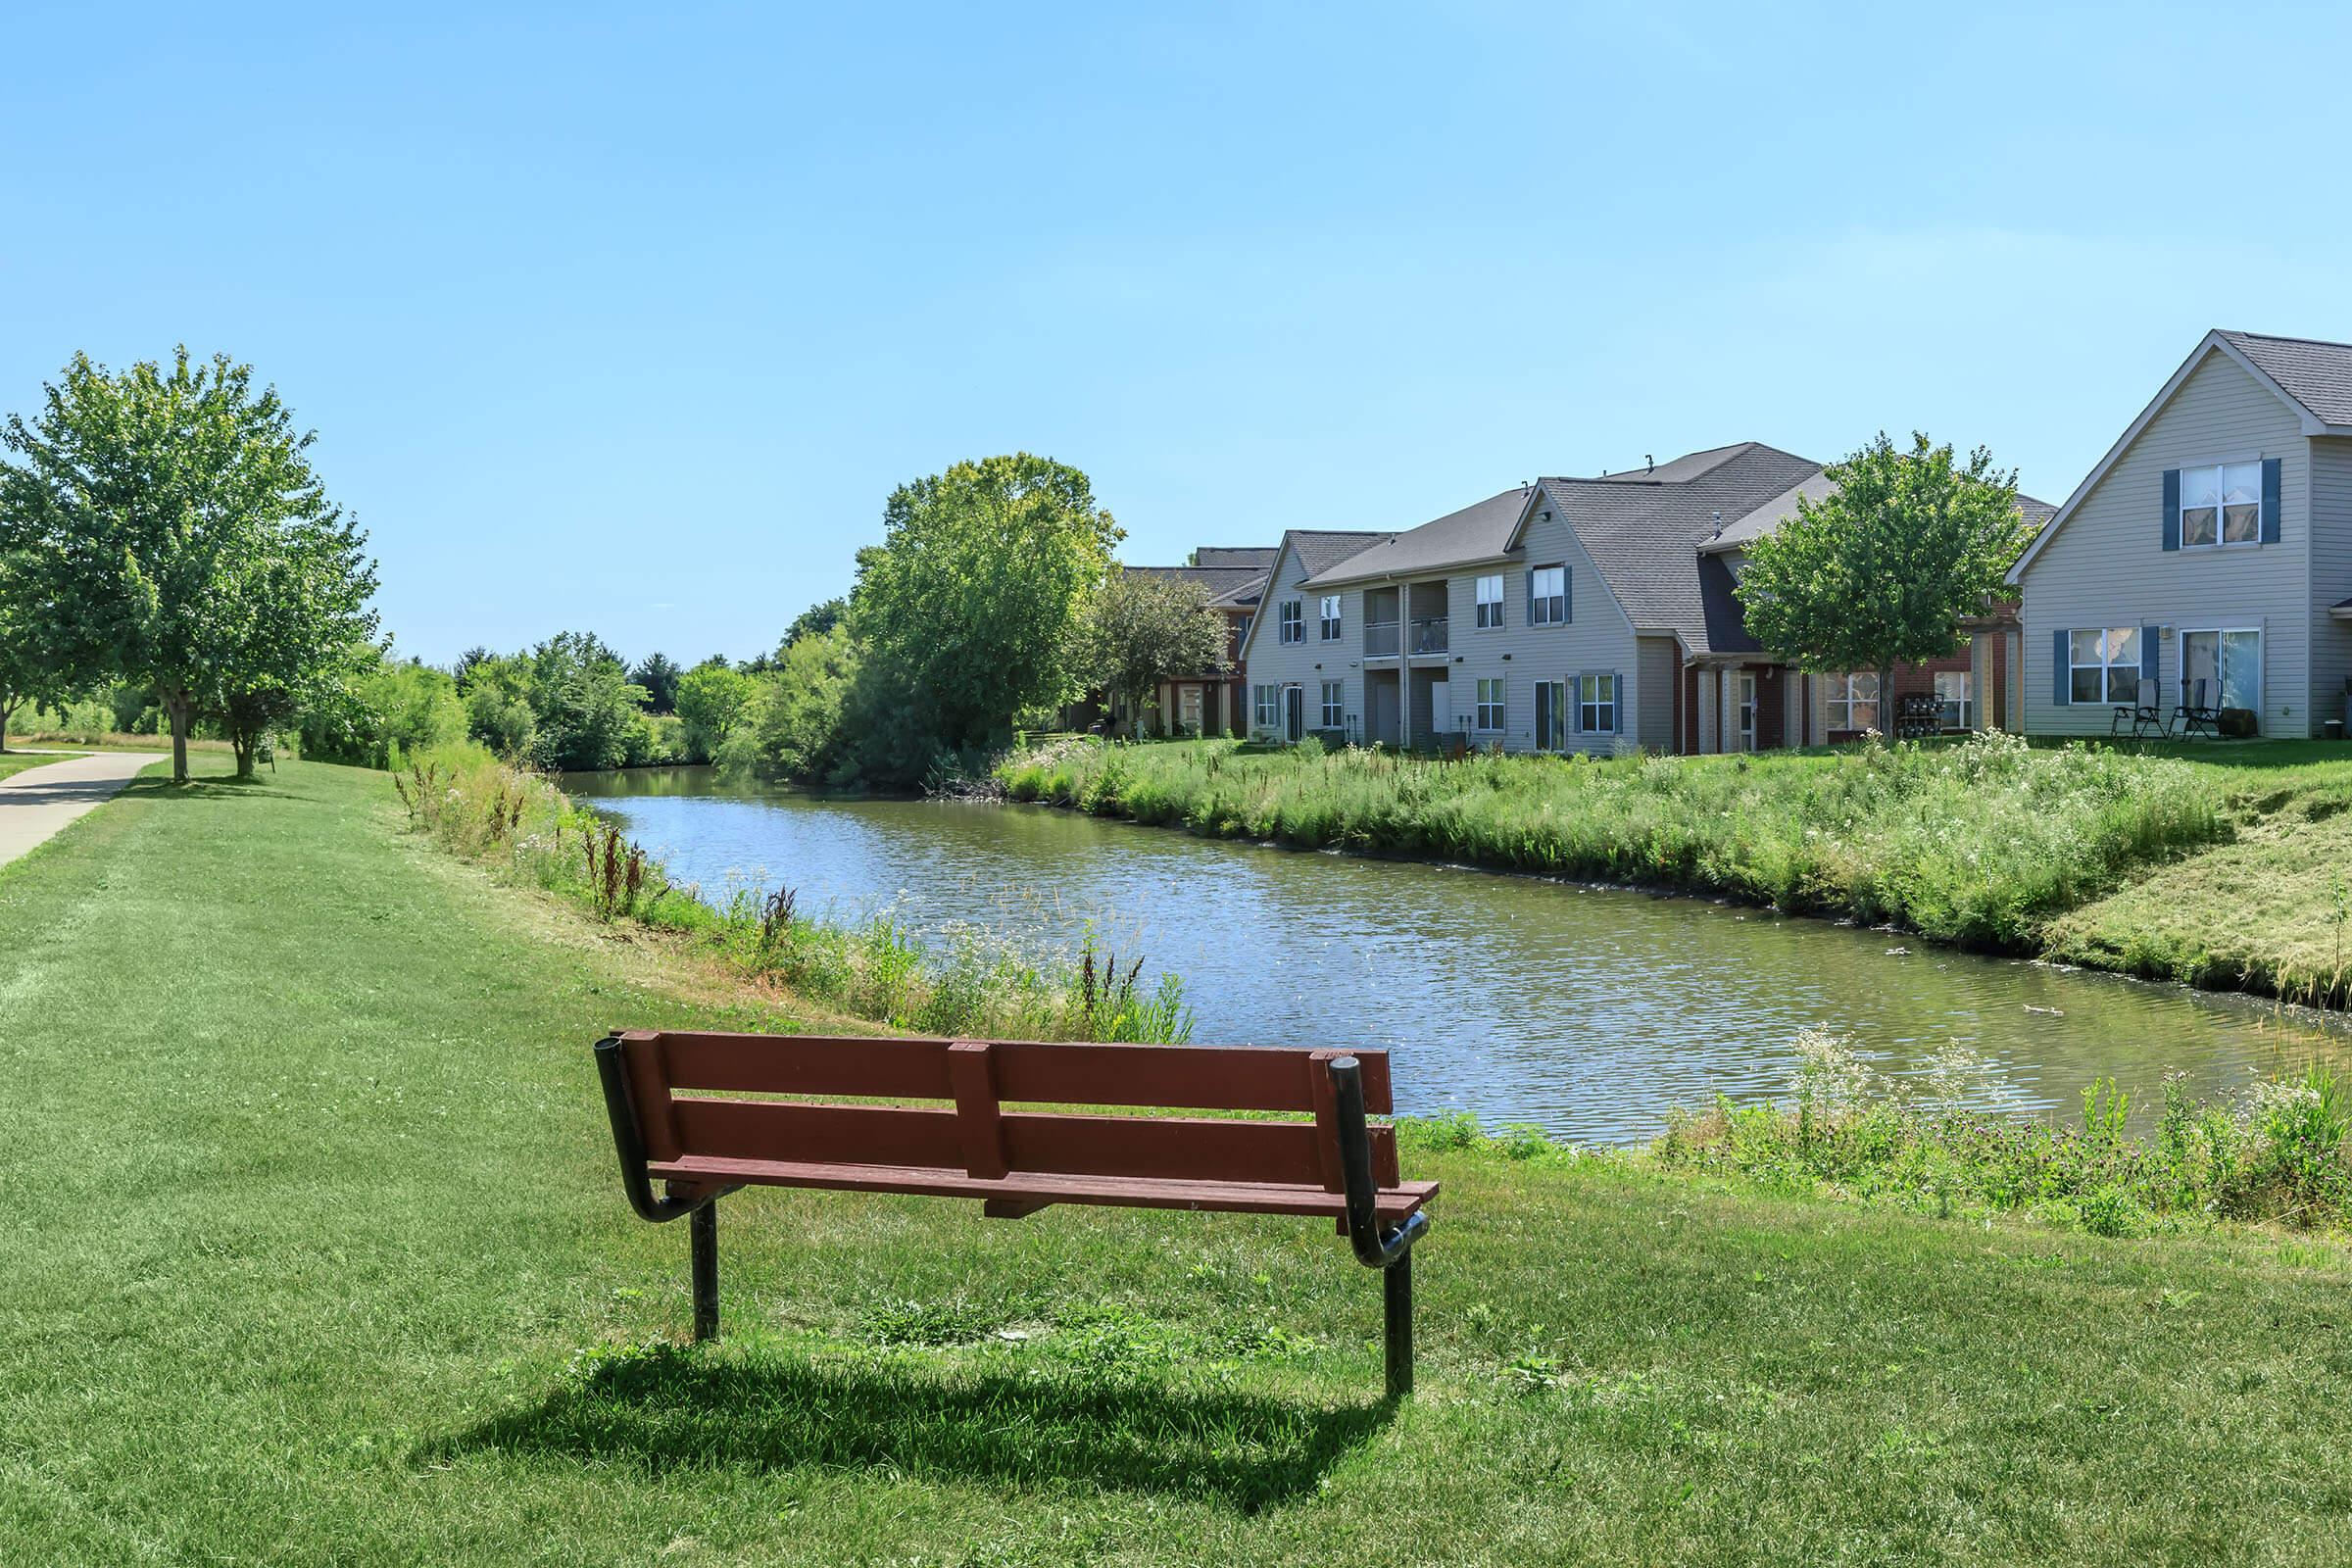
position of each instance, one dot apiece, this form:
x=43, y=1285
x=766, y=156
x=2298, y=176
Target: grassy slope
x=14, y=762
x=2268, y=911
x=311, y=1206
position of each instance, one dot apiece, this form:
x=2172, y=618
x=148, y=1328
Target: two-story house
x=2207, y=558
x=1569, y=615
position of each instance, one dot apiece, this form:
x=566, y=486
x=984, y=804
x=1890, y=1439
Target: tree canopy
x=184, y=540
x=1882, y=571
x=660, y=678
x=814, y=621
x=972, y=602
x=1145, y=627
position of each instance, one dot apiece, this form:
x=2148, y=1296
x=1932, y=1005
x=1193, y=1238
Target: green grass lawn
x=317, y=1255
x=14, y=762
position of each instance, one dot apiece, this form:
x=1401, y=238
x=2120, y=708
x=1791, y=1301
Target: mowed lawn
x=19, y=761
x=316, y=1253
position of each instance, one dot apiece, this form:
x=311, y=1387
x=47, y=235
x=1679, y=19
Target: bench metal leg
x=702, y=1226
x=1397, y=1302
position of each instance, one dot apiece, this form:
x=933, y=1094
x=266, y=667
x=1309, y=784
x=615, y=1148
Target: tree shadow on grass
x=211, y=787
x=667, y=1407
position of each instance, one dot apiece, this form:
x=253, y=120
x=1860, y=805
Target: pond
x=1587, y=1011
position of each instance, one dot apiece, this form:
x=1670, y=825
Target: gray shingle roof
x=1214, y=581
x=2316, y=374
x=1643, y=530
x=1259, y=556
x=1741, y=532
x=1477, y=532
x=1321, y=549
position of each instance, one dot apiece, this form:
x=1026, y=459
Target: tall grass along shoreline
x=1977, y=843
x=481, y=809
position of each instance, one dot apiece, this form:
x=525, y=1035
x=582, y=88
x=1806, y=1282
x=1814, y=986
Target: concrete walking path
x=36, y=803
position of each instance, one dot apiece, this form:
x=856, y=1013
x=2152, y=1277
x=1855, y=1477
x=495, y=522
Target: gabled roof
x=2316, y=376
x=1317, y=549
x=1480, y=532
x=1643, y=529
x=2312, y=377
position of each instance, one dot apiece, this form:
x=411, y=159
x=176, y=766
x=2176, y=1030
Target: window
x=2228, y=662
x=1854, y=701
x=1241, y=633
x=2104, y=666
x=1331, y=618
x=1596, y=705
x=1490, y=702
x=1547, y=596
x=1551, y=715
x=1953, y=689
x=1262, y=708
x=1290, y=620
x=2221, y=504
x=1490, y=602
x=1335, y=706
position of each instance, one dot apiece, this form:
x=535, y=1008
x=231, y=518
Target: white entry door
x=1440, y=708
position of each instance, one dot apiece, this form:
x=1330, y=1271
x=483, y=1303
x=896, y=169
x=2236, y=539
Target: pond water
x=1587, y=1011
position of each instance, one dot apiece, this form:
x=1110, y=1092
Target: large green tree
x=972, y=604
x=1145, y=627
x=1882, y=571
x=712, y=700
x=185, y=538
x=29, y=671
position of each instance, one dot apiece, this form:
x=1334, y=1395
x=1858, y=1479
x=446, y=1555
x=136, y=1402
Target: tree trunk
x=8, y=706
x=245, y=746
x=175, y=704
x=1887, y=701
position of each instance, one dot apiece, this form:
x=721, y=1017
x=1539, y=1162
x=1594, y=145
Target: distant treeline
x=991, y=603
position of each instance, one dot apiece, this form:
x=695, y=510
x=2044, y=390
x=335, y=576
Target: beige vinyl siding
x=2330, y=536
x=2108, y=567
x=1659, y=661
x=1309, y=664
x=1597, y=639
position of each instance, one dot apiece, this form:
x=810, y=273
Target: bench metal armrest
x=674, y=1201
x=1372, y=1249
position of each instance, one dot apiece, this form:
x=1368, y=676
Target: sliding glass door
x=2222, y=670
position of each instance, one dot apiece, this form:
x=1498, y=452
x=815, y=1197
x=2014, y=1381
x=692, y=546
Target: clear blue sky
x=631, y=325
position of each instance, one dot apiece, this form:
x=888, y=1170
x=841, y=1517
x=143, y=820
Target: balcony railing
x=1428, y=635
x=1380, y=638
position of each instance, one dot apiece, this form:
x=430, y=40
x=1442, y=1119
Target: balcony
x=1429, y=634
x=1380, y=639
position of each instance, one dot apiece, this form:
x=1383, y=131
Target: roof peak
x=2282, y=337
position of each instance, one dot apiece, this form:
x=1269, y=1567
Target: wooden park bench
x=678, y=1118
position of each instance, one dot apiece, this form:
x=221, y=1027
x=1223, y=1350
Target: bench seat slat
x=1162, y=1148
x=1391, y=1206
x=1174, y=1077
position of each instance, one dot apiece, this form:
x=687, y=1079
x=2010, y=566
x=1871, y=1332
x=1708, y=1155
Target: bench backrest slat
x=1176, y=1077
x=677, y=1083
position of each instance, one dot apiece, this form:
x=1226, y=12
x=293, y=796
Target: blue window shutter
x=1616, y=703
x=2171, y=510
x=2151, y=666
x=2062, y=688
x=1531, y=596
x=2269, y=501
x=1568, y=592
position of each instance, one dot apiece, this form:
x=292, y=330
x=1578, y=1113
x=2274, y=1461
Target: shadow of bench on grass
x=670, y=1407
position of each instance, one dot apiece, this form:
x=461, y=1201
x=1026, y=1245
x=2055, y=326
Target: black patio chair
x=2195, y=716
x=2145, y=719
